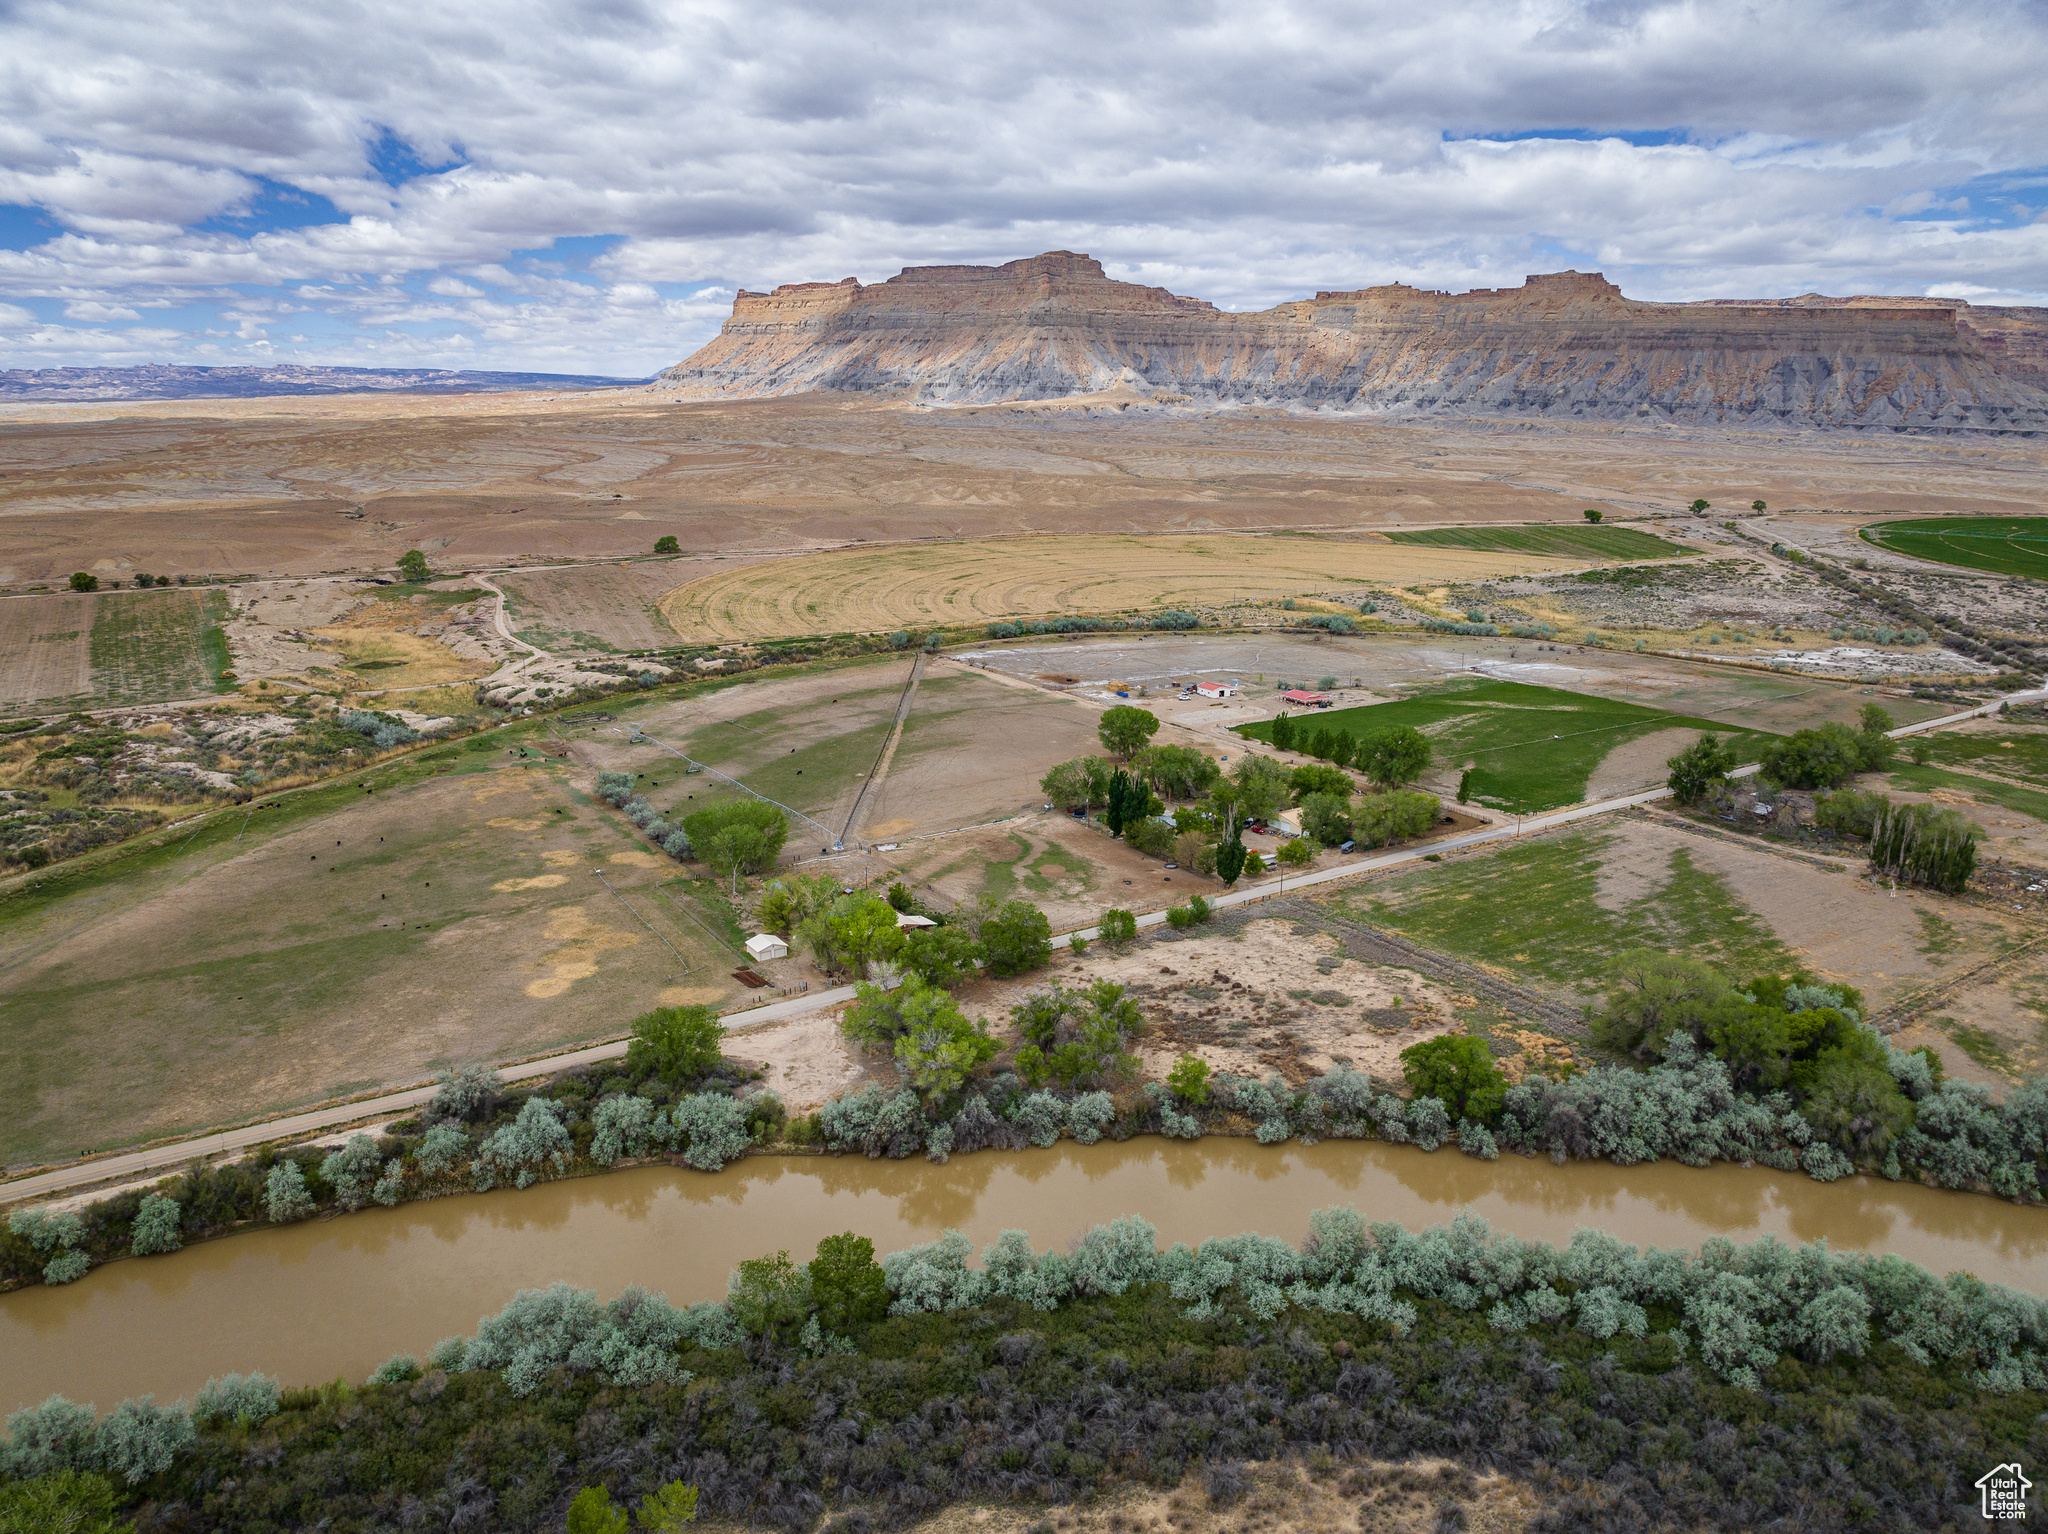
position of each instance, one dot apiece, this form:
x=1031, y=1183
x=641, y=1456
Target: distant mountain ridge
x=182, y=381
x=1566, y=345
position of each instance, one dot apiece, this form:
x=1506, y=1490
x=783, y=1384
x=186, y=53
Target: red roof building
x=1302, y=699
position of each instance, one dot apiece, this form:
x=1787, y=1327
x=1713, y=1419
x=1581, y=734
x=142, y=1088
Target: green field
x=2028, y=801
x=2001, y=545
x=1534, y=908
x=147, y=648
x=1566, y=542
x=1530, y=748
x=2021, y=754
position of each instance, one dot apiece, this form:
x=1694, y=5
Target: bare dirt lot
x=600, y=608
x=305, y=486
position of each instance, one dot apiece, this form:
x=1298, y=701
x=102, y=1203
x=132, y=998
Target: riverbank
x=329, y=1298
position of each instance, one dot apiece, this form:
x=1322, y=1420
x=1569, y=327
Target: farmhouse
x=1216, y=689
x=1300, y=699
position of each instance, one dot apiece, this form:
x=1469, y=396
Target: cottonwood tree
x=1124, y=730
x=678, y=1044
x=1392, y=756
x=1699, y=768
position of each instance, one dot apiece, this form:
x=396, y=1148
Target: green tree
x=678, y=1044
x=1393, y=756
x=1189, y=1080
x=1315, y=778
x=1263, y=785
x=1175, y=772
x=666, y=544
x=1281, y=733
x=592, y=1513
x=877, y=1018
x=1698, y=768
x=737, y=835
x=83, y=581
x=1377, y=819
x=938, y=1056
x=63, y=1501
x=770, y=1297
x=1230, y=860
x=1652, y=995
x=1118, y=927
x=1297, y=853
x=1016, y=938
x=1124, y=730
x=937, y=955
x=1591, y=514
x=1855, y=1103
x=667, y=1510
x=847, y=1284
x=1875, y=747
x=850, y=934
x=1753, y=506
x=786, y=903
x=412, y=565
x=1819, y=758
x=1127, y=799
x=1465, y=786
x=1327, y=818
x=1701, y=505
x=1082, y=783
x=1754, y=1042
x=1459, y=1071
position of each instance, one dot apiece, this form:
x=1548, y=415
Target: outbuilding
x=1216, y=689
x=763, y=946
x=909, y=922
x=1300, y=699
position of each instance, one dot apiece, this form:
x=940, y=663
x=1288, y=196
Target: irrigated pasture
x=1555, y=910
x=597, y=607
x=1529, y=748
x=110, y=647
x=918, y=585
x=1588, y=542
x=351, y=940
x=2000, y=545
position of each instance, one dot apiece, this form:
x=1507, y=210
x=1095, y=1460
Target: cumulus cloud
x=581, y=183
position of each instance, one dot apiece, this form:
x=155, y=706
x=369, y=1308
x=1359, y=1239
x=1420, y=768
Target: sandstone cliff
x=1568, y=345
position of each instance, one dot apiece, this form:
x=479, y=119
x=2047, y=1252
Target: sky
x=581, y=185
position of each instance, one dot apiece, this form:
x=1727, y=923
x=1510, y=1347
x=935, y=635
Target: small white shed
x=766, y=945
x=907, y=921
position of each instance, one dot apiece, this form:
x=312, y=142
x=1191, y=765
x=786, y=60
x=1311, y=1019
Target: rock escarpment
x=1568, y=345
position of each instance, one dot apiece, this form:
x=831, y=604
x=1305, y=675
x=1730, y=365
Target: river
x=336, y=1297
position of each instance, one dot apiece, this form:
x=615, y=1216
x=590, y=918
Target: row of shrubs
x=917, y=1379
x=475, y=1134
x=1172, y=618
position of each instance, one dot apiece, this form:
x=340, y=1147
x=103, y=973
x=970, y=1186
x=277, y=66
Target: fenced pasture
x=92, y=649
x=1998, y=545
x=1529, y=748
x=917, y=586
x=345, y=941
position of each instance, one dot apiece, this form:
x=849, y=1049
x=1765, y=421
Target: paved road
x=135, y=1163
x=131, y=1164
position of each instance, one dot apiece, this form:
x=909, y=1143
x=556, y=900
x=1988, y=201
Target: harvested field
x=351, y=940
x=910, y=586
x=94, y=649
x=605, y=608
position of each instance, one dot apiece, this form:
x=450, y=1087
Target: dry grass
x=380, y=648
x=917, y=586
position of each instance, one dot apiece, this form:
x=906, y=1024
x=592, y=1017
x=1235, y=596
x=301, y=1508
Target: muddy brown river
x=337, y=1297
